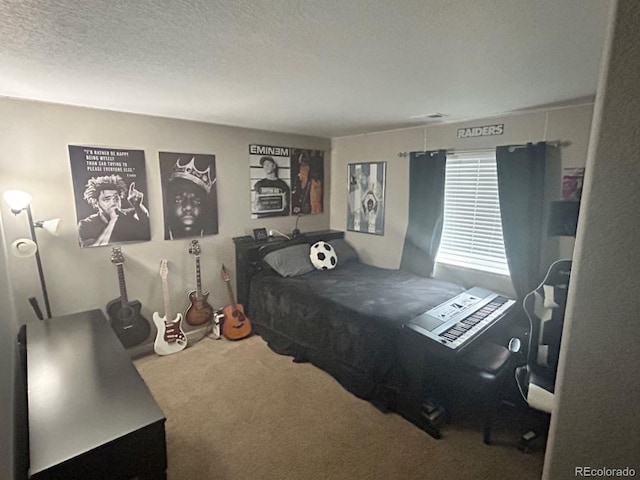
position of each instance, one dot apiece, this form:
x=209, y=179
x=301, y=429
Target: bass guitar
x=170, y=337
x=199, y=311
x=124, y=316
x=235, y=325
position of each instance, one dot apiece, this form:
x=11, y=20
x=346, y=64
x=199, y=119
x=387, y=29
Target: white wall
x=571, y=125
x=34, y=157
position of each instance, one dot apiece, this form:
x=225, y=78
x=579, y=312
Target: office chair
x=545, y=308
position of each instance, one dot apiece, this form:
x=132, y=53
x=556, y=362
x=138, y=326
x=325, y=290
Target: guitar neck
x=165, y=296
x=123, y=286
x=233, y=300
x=198, y=281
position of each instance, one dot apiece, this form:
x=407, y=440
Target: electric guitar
x=199, y=312
x=170, y=337
x=124, y=316
x=236, y=325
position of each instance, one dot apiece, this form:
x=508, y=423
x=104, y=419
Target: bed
x=344, y=321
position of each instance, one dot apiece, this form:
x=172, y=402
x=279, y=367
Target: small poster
x=307, y=172
x=110, y=189
x=365, y=211
x=572, y=181
x=189, y=195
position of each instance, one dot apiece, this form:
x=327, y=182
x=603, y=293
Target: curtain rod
x=555, y=143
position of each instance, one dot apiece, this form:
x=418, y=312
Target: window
x=472, y=228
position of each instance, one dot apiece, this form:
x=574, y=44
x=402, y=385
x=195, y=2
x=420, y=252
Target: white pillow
x=323, y=256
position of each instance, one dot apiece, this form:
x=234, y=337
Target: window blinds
x=472, y=228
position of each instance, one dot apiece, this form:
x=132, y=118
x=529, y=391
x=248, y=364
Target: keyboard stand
x=415, y=402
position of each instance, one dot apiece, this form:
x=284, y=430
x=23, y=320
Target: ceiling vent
x=433, y=116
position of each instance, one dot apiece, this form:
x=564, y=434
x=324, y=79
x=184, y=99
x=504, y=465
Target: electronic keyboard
x=460, y=320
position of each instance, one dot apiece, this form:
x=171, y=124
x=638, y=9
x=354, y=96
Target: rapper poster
x=110, y=189
x=307, y=174
x=189, y=195
x=270, y=169
x=285, y=181
x=365, y=212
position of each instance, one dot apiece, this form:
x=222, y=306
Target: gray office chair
x=545, y=307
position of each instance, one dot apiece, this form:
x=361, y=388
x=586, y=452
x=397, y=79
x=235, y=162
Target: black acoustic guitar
x=124, y=316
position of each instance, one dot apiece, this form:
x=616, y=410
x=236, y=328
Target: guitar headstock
x=225, y=274
x=164, y=269
x=194, y=249
x=116, y=256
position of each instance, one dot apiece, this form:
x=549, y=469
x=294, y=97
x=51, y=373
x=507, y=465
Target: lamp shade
x=17, y=199
x=52, y=226
x=24, y=247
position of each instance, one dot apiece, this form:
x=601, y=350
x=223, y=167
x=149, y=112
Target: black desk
x=91, y=416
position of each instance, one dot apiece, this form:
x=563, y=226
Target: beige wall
x=34, y=157
x=596, y=422
x=571, y=125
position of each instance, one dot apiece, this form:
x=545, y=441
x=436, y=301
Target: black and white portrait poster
x=189, y=195
x=110, y=188
x=270, y=178
x=366, y=197
x=307, y=174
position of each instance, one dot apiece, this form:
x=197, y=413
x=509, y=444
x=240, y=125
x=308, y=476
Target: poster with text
x=365, y=212
x=189, y=195
x=286, y=181
x=270, y=172
x=110, y=189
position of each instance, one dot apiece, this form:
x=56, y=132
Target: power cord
x=279, y=233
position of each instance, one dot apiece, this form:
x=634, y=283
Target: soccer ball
x=323, y=256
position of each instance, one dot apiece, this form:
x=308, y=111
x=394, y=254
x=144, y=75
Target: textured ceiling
x=319, y=67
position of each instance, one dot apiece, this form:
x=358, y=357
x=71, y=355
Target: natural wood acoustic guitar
x=199, y=311
x=236, y=325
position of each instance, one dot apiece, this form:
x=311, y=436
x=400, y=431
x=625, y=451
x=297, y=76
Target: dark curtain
x=426, y=210
x=521, y=174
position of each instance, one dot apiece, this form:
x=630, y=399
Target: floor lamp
x=23, y=247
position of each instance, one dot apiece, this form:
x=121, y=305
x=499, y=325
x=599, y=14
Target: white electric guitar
x=170, y=338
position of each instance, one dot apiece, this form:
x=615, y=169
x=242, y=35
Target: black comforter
x=345, y=320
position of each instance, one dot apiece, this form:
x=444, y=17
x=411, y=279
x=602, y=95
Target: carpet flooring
x=238, y=411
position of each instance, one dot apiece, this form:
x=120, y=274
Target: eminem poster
x=285, y=181
x=189, y=195
x=270, y=169
x=110, y=188
x=366, y=197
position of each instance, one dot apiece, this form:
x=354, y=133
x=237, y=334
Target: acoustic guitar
x=124, y=316
x=199, y=311
x=170, y=337
x=235, y=325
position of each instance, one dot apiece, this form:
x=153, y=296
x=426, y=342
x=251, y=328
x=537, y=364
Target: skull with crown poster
x=189, y=194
